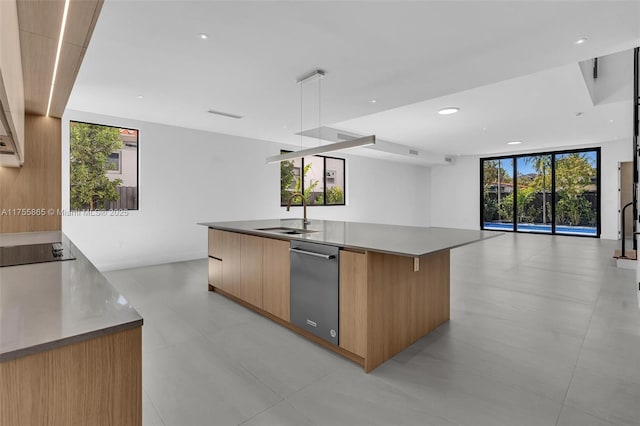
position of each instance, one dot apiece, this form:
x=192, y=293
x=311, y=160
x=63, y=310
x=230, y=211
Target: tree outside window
x=103, y=167
x=320, y=179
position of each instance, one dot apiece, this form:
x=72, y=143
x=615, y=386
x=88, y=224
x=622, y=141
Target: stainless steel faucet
x=304, y=205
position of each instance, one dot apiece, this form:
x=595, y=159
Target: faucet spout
x=304, y=205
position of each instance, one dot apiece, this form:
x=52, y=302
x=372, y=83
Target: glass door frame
x=552, y=154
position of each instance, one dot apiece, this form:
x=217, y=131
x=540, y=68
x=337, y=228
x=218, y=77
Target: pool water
x=531, y=227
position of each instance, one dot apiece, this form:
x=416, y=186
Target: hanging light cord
x=319, y=110
x=300, y=84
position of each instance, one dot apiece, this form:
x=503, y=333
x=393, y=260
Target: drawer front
x=215, y=272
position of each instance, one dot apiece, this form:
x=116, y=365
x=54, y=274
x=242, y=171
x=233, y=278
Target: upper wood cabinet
x=276, y=278
x=11, y=84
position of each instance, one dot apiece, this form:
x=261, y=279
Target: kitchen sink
x=289, y=231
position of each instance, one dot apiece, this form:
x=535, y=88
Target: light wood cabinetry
x=353, y=302
x=387, y=301
x=276, y=278
x=94, y=382
x=230, y=255
x=251, y=270
x=215, y=243
x=403, y=304
x=215, y=272
x=37, y=184
x=11, y=79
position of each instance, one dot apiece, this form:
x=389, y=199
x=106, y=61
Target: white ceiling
x=511, y=66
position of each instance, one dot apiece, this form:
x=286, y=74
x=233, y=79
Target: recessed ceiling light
x=484, y=129
x=448, y=110
x=140, y=96
x=203, y=36
x=581, y=40
x=610, y=121
x=514, y=143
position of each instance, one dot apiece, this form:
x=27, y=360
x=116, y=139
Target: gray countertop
x=393, y=239
x=47, y=305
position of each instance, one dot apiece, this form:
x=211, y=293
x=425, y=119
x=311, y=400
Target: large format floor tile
x=544, y=331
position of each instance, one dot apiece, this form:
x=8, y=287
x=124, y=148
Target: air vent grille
x=414, y=152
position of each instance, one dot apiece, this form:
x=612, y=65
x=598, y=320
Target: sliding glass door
x=576, y=195
x=534, y=194
x=550, y=193
x=498, y=193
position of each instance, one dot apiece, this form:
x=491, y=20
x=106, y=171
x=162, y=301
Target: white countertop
x=393, y=239
x=47, y=305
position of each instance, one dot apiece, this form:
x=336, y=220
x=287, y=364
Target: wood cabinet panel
x=94, y=382
x=276, y=278
x=402, y=304
x=215, y=243
x=231, y=266
x=353, y=302
x=215, y=272
x=251, y=269
x=37, y=184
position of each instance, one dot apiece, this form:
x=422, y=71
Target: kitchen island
x=393, y=280
x=70, y=344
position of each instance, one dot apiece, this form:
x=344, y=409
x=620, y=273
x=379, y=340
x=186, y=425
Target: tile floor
x=544, y=331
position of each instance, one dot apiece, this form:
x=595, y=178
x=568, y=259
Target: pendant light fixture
x=320, y=149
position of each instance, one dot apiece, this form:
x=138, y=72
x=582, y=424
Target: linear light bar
x=354, y=143
x=55, y=66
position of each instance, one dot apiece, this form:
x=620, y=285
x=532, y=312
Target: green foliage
x=505, y=208
x=542, y=182
x=335, y=195
x=491, y=173
x=90, y=146
x=526, y=210
x=573, y=175
x=575, y=211
x=490, y=206
x=287, y=176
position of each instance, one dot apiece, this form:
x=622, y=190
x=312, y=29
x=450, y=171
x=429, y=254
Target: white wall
x=189, y=176
x=455, y=190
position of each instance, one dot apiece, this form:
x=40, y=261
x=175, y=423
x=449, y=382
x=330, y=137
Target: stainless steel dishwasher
x=315, y=289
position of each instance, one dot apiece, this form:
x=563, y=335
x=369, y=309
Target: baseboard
x=150, y=260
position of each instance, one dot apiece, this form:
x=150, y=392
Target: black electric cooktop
x=34, y=253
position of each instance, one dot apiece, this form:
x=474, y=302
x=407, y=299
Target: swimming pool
x=532, y=227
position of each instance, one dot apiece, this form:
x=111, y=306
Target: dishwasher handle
x=311, y=253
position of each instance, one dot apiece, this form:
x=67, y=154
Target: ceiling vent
x=224, y=114
x=414, y=152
